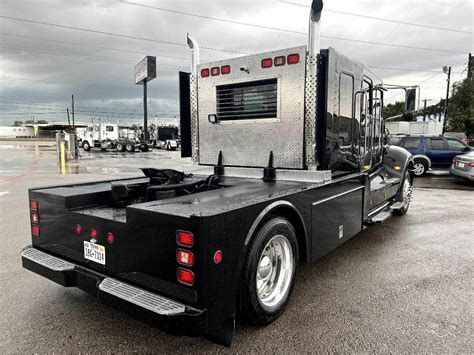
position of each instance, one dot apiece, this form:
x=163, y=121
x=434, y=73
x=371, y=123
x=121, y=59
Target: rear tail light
x=185, y=257
x=35, y=230
x=34, y=205
x=225, y=69
x=293, y=58
x=185, y=276
x=279, y=61
x=93, y=233
x=185, y=239
x=215, y=71
x=78, y=229
x=218, y=256
x=35, y=218
x=205, y=73
x=110, y=238
x=267, y=63
x=471, y=164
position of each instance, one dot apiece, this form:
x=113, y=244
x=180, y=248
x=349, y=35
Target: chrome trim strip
x=338, y=195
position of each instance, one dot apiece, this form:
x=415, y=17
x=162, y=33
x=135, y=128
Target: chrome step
x=141, y=298
x=49, y=261
x=396, y=205
x=380, y=217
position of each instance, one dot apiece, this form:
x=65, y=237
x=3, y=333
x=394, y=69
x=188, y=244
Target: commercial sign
x=145, y=70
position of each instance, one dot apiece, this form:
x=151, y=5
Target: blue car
x=430, y=151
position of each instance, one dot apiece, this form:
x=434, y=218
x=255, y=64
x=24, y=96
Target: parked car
x=459, y=135
x=463, y=166
x=430, y=151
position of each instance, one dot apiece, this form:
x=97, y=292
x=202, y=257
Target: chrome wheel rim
x=418, y=169
x=407, y=192
x=274, y=272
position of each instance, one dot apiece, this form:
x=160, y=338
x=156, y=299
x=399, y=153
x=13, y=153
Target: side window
x=411, y=142
x=109, y=128
x=346, y=96
x=436, y=144
x=454, y=144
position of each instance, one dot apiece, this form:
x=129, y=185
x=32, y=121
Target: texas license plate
x=94, y=252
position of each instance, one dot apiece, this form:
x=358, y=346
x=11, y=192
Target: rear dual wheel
x=269, y=271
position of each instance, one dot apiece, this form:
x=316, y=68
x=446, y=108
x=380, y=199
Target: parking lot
x=401, y=286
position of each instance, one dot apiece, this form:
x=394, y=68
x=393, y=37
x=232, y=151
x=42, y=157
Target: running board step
x=46, y=260
x=396, y=206
x=141, y=298
x=379, y=217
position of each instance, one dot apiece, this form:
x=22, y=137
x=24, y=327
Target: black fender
x=396, y=162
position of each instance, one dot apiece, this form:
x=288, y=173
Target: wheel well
x=296, y=221
x=422, y=159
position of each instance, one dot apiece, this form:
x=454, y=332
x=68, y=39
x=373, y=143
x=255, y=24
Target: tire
x=406, y=192
x=120, y=147
x=144, y=148
x=86, y=146
x=129, y=147
x=168, y=147
x=420, y=168
x=276, y=234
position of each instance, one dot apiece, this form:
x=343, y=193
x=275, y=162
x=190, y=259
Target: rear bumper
x=461, y=173
x=168, y=314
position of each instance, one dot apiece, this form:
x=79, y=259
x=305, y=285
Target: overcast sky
x=39, y=72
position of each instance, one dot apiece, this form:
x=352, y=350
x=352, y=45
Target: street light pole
x=447, y=70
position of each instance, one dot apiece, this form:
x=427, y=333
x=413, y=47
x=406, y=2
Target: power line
x=406, y=69
x=382, y=19
x=92, y=46
x=113, y=34
x=285, y=29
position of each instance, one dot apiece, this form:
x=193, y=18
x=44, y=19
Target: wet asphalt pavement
x=402, y=286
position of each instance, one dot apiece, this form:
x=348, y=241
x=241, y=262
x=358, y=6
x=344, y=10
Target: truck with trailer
x=290, y=161
x=110, y=136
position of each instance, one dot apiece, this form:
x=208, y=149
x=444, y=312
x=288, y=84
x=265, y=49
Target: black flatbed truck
x=192, y=251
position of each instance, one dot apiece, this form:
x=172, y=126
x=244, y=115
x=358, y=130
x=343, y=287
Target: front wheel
x=406, y=195
x=269, y=271
x=86, y=146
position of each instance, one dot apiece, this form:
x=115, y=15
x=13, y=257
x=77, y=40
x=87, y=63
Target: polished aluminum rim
x=418, y=169
x=274, y=273
x=407, y=192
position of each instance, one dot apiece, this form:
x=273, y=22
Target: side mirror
x=466, y=149
x=408, y=116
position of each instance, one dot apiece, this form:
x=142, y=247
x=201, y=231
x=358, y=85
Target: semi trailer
x=290, y=161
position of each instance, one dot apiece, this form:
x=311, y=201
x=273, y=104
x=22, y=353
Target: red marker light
x=279, y=61
x=267, y=63
x=35, y=218
x=215, y=71
x=35, y=230
x=293, y=58
x=185, y=239
x=78, y=229
x=185, y=257
x=185, y=276
x=93, y=233
x=205, y=73
x=218, y=256
x=110, y=238
x=34, y=205
x=225, y=69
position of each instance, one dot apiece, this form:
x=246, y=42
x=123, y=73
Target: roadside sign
x=145, y=70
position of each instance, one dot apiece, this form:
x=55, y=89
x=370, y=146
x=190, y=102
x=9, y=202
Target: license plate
x=461, y=165
x=94, y=252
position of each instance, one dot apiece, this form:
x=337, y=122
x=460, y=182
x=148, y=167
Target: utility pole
x=68, y=119
x=447, y=70
x=73, y=124
x=145, y=112
x=424, y=108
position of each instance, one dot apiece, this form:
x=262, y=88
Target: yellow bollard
x=62, y=157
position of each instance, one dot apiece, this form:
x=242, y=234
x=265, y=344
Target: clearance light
x=366, y=166
x=110, y=238
x=215, y=71
x=218, y=256
x=93, y=233
x=205, y=73
x=397, y=167
x=35, y=230
x=267, y=63
x=185, y=257
x=185, y=276
x=34, y=205
x=293, y=58
x=35, y=218
x=185, y=239
x=225, y=69
x=279, y=61
x=78, y=229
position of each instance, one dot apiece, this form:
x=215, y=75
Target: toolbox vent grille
x=251, y=100
x=141, y=298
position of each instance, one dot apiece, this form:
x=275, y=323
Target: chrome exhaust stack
x=314, y=47
x=314, y=44
x=194, y=47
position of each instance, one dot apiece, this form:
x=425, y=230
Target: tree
x=17, y=123
x=395, y=109
x=461, y=107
